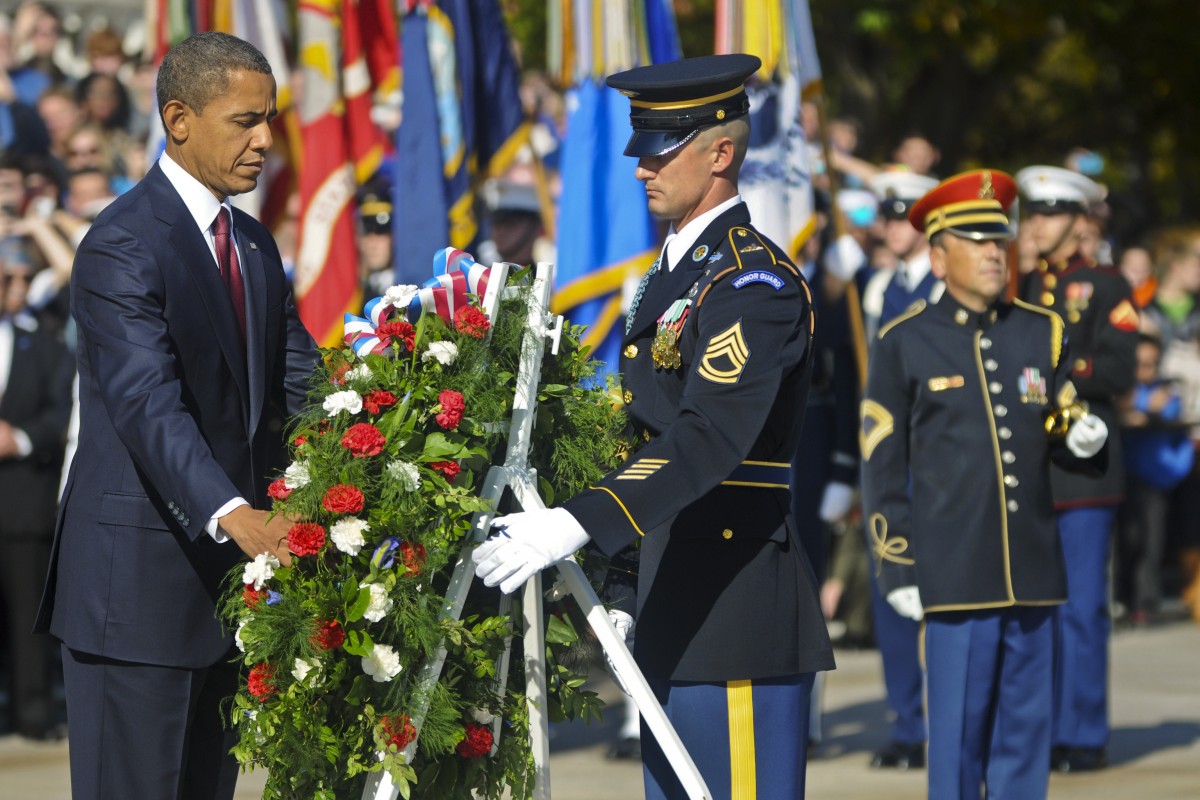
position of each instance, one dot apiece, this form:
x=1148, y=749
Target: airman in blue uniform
x=961, y=400
x=717, y=364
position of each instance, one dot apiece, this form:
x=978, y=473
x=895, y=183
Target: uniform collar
x=680, y=243
x=964, y=317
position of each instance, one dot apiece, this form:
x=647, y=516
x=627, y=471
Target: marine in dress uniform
x=716, y=362
x=956, y=455
x=1096, y=303
x=887, y=296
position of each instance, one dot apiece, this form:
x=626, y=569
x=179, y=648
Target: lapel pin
x=253, y=246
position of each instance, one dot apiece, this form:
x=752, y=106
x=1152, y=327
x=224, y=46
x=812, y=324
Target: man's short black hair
x=197, y=69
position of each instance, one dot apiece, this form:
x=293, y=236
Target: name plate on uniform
x=942, y=384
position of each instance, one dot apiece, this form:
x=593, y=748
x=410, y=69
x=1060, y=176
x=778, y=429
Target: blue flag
x=462, y=121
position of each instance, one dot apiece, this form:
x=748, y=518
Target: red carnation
x=448, y=468
x=399, y=331
x=413, y=556
x=252, y=597
x=378, y=399
x=363, y=439
x=397, y=730
x=343, y=499
x=300, y=441
x=471, y=321
x=306, y=538
x=338, y=376
x=278, y=490
x=477, y=742
x=329, y=635
x=261, y=683
x=452, y=409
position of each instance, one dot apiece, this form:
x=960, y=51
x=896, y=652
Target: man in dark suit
x=35, y=387
x=190, y=351
x=717, y=363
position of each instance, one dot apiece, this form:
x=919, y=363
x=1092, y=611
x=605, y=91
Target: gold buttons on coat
x=1001, y=411
x=1005, y=433
x=631, y=351
x=1048, y=298
x=1011, y=481
x=1008, y=457
x=1050, y=281
x=991, y=365
x=995, y=388
x=1013, y=506
x=628, y=397
x=727, y=534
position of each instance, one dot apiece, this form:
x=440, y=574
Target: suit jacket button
x=171, y=505
x=727, y=534
x=631, y=351
x=628, y=397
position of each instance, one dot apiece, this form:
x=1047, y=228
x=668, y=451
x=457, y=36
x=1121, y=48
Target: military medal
x=665, y=350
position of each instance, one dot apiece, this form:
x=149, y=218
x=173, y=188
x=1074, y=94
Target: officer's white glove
x=844, y=257
x=907, y=602
x=1086, y=436
x=526, y=543
x=836, y=501
x=623, y=622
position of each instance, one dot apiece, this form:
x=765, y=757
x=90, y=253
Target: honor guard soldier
x=716, y=364
x=968, y=399
x=1096, y=303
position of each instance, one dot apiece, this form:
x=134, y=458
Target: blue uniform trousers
x=1082, y=627
x=990, y=681
x=899, y=644
x=748, y=738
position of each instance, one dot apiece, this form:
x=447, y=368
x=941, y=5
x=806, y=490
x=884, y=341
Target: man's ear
x=722, y=150
x=177, y=120
x=937, y=261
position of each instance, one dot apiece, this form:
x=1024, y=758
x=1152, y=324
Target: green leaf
x=560, y=632
x=362, y=600
x=358, y=643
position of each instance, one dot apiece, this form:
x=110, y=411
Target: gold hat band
x=699, y=101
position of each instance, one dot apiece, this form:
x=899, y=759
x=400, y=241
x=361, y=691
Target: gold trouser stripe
x=742, y=779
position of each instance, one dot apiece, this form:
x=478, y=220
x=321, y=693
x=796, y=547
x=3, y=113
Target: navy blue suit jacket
x=176, y=419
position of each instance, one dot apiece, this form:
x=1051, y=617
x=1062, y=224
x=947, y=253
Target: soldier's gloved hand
x=1086, y=436
x=907, y=602
x=623, y=622
x=836, y=501
x=526, y=543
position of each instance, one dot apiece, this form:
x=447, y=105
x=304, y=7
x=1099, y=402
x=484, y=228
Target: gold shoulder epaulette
x=1056, y=328
x=912, y=311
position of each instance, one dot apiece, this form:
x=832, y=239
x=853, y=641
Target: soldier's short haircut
x=197, y=70
x=737, y=129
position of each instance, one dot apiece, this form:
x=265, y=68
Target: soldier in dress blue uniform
x=888, y=295
x=960, y=397
x=1101, y=322
x=716, y=365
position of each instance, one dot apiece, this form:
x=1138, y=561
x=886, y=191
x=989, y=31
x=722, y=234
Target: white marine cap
x=898, y=189
x=1054, y=190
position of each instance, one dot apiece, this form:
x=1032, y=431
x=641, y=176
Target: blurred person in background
x=35, y=401
x=1101, y=324
x=514, y=223
x=89, y=192
x=37, y=31
x=21, y=129
x=104, y=102
x=1158, y=456
x=376, y=264
x=104, y=51
x=1173, y=314
x=61, y=115
x=1136, y=265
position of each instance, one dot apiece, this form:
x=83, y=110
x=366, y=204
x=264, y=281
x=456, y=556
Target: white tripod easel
x=516, y=475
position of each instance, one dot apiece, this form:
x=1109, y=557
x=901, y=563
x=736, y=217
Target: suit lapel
x=256, y=321
x=196, y=260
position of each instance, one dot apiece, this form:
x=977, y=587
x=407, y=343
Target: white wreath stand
x=516, y=475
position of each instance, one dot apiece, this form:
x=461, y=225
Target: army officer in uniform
x=956, y=458
x=716, y=365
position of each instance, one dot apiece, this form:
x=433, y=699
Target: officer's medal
x=665, y=349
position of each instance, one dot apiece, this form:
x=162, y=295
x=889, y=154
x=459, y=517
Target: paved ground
x=1155, y=744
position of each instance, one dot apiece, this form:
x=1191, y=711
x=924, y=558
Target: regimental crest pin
x=699, y=253
x=1032, y=386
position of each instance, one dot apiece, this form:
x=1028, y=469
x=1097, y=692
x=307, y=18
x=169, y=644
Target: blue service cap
x=670, y=102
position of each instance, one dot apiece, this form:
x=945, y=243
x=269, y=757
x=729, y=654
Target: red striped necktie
x=231, y=273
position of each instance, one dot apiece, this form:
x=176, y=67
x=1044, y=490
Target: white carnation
x=360, y=373
x=348, y=401
x=443, y=352
x=303, y=667
x=379, y=605
x=347, y=534
x=400, y=296
x=482, y=717
x=237, y=636
x=260, y=570
x=406, y=474
x=296, y=475
x=382, y=663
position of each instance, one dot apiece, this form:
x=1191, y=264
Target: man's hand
x=836, y=501
x=8, y=441
x=907, y=602
x=255, y=533
x=527, y=543
x=1086, y=436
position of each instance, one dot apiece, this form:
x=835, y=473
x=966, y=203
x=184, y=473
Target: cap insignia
x=986, y=190
x=720, y=113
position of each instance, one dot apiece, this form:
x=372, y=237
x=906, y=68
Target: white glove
x=528, y=542
x=1086, y=436
x=907, y=602
x=623, y=622
x=836, y=501
x=844, y=257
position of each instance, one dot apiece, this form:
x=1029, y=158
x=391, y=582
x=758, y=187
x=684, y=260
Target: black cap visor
x=1050, y=208
x=657, y=143
x=981, y=231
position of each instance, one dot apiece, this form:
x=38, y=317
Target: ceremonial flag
x=607, y=239
x=462, y=121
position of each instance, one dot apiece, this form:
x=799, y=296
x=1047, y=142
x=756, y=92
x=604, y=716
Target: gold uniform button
x=631, y=351
x=1048, y=298
x=1081, y=364
x=628, y=397
x=1050, y=281
x=1073, y=316
x=727, y=534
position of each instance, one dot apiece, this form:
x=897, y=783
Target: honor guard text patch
x=758, y=276
x=725, y=357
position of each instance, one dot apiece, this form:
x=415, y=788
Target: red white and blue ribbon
x=456, y=275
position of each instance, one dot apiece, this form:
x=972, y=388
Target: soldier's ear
x=937, y=258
